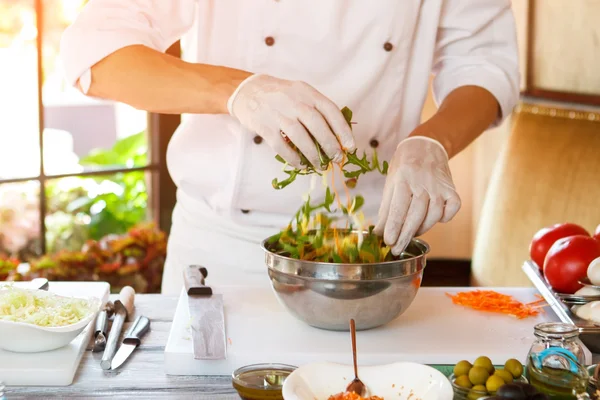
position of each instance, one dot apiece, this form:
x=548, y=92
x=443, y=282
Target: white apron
x=375, y=57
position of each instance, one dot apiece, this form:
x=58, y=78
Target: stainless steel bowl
x=328, y=295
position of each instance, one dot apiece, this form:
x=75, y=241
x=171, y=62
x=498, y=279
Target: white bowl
x=393, y=381
x=29, y=338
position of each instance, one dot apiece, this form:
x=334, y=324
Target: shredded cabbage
x=22, y=305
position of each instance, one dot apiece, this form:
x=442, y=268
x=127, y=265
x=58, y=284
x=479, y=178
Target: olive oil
x=261, y=381
x=558, y=384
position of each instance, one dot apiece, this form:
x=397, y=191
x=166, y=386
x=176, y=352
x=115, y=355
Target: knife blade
x=132, y=339
x=206, y=312
x=40, y=283
x=122, y=308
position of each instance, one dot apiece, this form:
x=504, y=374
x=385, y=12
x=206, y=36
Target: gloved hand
x=418, y=192
x=268, y=106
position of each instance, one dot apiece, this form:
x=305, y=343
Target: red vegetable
x=545, y=238
x=597, y=233
x=567, y=262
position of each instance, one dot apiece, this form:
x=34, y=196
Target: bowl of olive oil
x=261, y=381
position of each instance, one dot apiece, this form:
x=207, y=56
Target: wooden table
x=142, y=376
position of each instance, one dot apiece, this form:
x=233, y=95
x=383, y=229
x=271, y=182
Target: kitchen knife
x=123, y=308
x=40, y=283
x=131, y=341
x=206, y=312
x=100, y=331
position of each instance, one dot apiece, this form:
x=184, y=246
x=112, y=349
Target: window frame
x=160, y=129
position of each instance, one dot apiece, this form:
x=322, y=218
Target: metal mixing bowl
x=328, y=295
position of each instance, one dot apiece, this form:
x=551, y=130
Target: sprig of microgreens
x=307, y=242
x=361, y=165
x=306, y=234
x=302, y=218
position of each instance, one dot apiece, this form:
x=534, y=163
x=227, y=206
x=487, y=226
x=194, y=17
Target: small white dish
x=23, y=337
x=403, y=380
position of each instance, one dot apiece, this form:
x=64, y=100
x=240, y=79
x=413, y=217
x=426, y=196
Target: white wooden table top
x=143, y=375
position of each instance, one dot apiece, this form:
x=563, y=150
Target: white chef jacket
x=375, y=57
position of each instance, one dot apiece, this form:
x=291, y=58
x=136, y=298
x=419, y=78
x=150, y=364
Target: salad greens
x=27, y=306
x=312, y=234
x=361, y=165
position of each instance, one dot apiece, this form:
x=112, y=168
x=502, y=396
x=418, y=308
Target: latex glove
x=268, y=106
x=418, y=192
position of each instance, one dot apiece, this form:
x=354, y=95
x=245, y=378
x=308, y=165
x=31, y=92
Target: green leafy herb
x=361, y=165
x=311, y=235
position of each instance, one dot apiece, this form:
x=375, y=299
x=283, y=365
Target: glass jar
x=556, y=362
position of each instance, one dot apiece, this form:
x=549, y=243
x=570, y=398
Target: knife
x=132, y=339
x=40, y=283
x=123, y=308
x=206, y=312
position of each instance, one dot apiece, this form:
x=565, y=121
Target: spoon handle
x=353, y=334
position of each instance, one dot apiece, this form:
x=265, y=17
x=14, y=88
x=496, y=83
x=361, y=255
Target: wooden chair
x=547, y=172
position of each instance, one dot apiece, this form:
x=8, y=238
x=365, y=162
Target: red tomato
x=545, y=238
x=567, y=262
x=597, y=233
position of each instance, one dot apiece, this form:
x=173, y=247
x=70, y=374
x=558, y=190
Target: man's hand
x=269, y=106
x=418, y=192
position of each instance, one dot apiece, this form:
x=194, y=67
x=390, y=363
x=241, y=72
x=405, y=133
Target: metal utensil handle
x=101, y=323
x=559, y=307
x=194, y=281
x=551, y=298
x=113, y=336
x=138, y=329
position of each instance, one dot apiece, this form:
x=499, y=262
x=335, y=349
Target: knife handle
x=140, y=326
x=194, y=280
x=126, y=298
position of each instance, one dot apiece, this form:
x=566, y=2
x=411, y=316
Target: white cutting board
x=432, y=331
x=56, y=367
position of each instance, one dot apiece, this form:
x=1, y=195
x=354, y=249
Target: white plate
x=402, y=380
x=29, y=338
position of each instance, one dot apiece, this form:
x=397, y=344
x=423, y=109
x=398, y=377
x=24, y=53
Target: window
x=71, y=168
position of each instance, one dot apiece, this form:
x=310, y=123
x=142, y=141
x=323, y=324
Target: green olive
x=463, y=381
x=478, y=376
x=494, y=383
x=462, y=368
x=505, y=375
x=514, y=367
x=477, y=392
x=486, y=363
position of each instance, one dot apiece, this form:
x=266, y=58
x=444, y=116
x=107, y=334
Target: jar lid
x=262, y=376
x=556, y=330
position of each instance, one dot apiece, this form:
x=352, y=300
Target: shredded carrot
x=491, y=301
x=416, y=282
x=352, y=396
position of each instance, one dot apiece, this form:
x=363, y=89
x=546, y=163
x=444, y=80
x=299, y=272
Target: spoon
x=356, y=385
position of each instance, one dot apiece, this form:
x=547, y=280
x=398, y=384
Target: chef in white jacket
x=253, y=69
